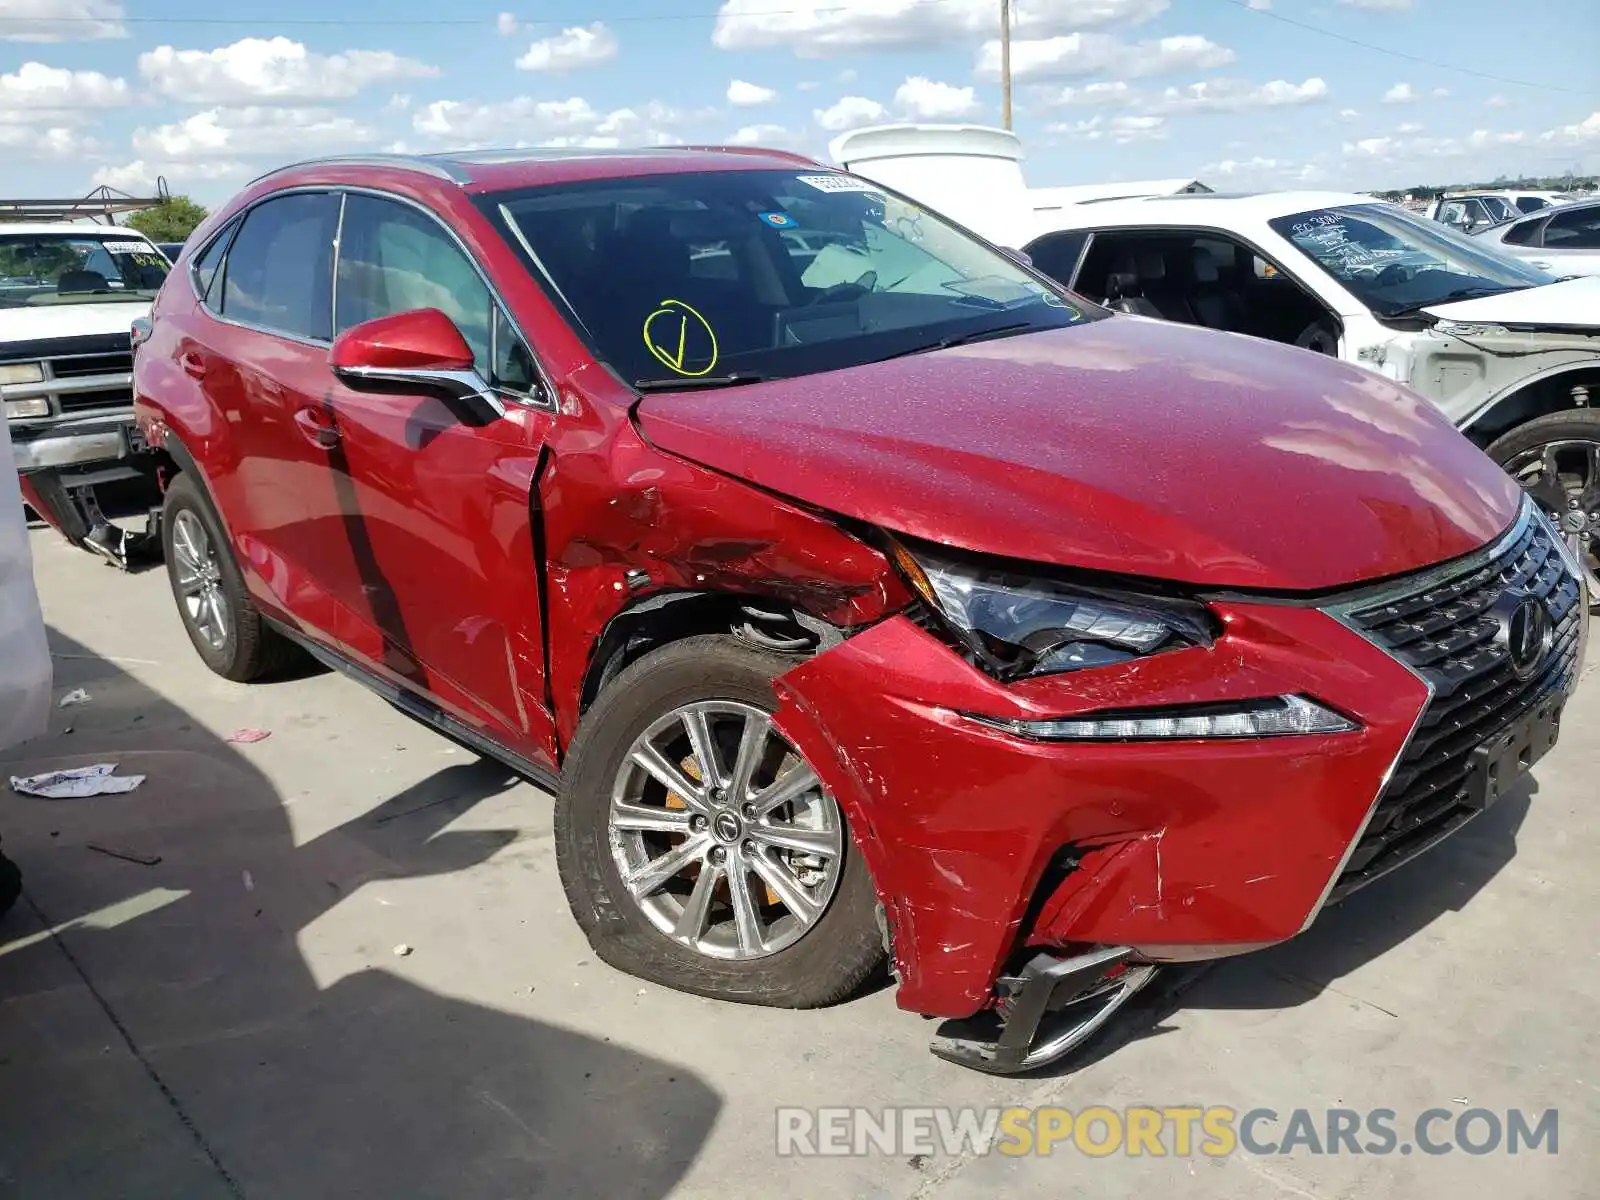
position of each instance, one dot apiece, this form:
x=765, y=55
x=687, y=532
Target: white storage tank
x=970, y=173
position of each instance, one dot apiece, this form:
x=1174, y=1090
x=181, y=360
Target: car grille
x=1446, y=633
x=81, y=375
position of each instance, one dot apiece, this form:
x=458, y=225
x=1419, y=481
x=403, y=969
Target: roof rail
x=103, y=202
x=438, y=167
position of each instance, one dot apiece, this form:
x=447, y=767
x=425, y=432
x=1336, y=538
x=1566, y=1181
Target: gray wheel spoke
x=746, y=921
x=796, y=837
x=779, y=878
x=648, y=878
x=651, y=818
x=669, y=776
x=705, y=749
x=190, y=584
x=693, y=921
x=219, y=613
x=751, y=744
x=793, y=784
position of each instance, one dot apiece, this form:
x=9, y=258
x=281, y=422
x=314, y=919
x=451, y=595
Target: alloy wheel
x=198, y=576
x=723, y=834
x=1564, y=477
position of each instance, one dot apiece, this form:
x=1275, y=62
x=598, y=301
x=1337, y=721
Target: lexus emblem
x=1525, y=633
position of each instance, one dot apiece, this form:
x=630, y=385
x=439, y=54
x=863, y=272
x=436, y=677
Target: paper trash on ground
x=76, y=782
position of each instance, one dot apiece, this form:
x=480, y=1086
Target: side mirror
x=1018, y=255
x=408, y=352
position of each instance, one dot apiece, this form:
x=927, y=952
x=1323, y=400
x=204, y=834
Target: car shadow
x=165, y=1035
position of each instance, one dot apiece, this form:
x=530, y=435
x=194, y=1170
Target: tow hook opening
x=1045, y=1011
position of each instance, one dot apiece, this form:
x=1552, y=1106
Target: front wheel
x=1556, y=459
x=698, y=847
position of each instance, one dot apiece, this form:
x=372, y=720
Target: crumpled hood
x=1570, y=304
x=38, y=322
x=1124, y=445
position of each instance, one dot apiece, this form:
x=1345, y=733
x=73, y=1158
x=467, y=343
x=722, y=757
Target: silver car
x=1563, y=241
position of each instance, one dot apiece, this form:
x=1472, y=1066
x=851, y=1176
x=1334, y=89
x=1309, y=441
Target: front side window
x=393, y=259
x=676, y=278
x=1394, y=263
x=278, y=267
x=69, y=268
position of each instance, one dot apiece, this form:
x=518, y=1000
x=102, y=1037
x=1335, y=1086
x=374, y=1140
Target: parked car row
x=863, y=592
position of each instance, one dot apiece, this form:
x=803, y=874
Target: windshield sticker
x=128, y=247
x=839, y=183
x=779, y=220
x=681, y=338
x=1054, y=301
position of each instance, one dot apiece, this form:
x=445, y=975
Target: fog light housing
x=35, y=406
x=23, y=372
x=1275, y=716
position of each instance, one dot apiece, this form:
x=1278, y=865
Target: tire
x=240, y=646
x=1320, y=338
x=827, y=962
x=1518, y=452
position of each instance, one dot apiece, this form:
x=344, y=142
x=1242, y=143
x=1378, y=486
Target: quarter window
x=279, y=264
x=205, y=268
x=1574, y=229
x=394, y=259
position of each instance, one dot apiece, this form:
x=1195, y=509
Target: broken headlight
x=1018, y=625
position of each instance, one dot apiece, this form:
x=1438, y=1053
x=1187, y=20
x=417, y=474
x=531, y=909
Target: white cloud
x=924, y=99
x=61, y=20
x=1582, y=133
x=1400, y=147
x=1497, y=102
x=1117, y=130
x=1401, y=93
x=1263, y=172
x=507, y=24
x=807, y=85
x=813, y=28
x=38, y=92
x=1232, y=95
x=1081, y=54
x=571, y=50
x=251, y=132
x=1348, y=114
x=759, y=135
x=1441, y=93
x=1409, y=127
x=749, y=95
x=271, y=70
x=56, y=141
x=524, y=121
x=139, y=177
x=1379, y=5
x=1259, y=5
x=1090, y=95
x=850, y=112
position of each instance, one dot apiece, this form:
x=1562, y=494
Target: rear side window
x=1574, y=229
x=1057, y=254
x=280, y=265
x=393, y=259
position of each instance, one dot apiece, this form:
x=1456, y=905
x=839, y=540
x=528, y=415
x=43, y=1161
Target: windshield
x=737, y=275
x=1394, y=263
x=63, y=268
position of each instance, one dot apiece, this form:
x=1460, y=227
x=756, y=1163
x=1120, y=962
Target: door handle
x=318, y=427
x=193, y=365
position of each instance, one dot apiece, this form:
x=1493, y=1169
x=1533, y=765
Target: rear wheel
x=697, y=846
x=222, y=622
x=1556, y=459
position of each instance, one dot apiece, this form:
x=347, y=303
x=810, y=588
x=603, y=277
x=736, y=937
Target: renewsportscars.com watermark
x=1174, y=1130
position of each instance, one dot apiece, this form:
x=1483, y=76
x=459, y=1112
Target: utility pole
x=1005, y=60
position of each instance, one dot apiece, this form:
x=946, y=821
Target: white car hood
x=34, y=322
x=1573, y=303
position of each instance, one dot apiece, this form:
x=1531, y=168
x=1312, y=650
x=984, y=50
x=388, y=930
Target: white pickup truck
x=69, y=294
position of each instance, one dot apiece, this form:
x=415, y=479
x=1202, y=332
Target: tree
x=173, y=220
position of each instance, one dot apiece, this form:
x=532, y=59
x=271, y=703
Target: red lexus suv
x=860, y=592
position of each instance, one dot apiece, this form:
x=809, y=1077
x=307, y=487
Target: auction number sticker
x=838, y=183
x=128, y=247
x=678, y=335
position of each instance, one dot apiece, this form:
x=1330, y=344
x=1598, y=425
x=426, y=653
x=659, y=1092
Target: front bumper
x=989, y=849
x=83, y=441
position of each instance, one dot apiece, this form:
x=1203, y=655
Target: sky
x=1350, y=94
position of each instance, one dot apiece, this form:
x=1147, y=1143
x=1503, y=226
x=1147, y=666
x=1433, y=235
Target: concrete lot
x=234, y=1019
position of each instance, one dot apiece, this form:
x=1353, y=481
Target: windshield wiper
x=959, y=339
x=1466, y=293
x=686, y=383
